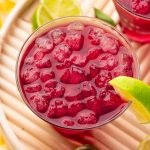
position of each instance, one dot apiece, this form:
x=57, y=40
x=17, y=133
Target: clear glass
x=135, y=26
x=63, y=21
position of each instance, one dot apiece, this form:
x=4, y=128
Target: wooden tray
x=124, y=133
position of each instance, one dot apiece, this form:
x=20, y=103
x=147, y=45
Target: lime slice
x=136, y=91
x=49, y=10
x=61, y=8
x=42, y=16
x=34, y=20
x=145, y=144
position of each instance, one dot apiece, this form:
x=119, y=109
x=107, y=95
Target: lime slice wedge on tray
x=61, y=8
x=40, y=17
x=49, y=10
x=136, y=91
x=34, y=20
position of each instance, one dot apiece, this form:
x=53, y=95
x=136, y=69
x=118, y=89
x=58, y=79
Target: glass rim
x=20, y=55
x=136, y=14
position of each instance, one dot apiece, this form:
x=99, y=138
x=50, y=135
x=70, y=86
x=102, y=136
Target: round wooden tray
x=124, y=133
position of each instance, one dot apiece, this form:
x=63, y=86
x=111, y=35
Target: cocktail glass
x=107, y=118
x=135, y=26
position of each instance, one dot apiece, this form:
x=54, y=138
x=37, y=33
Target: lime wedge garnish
x=145, y=144
x=34, y=20
x=42, y=16
x=54, y=9
x=136, y=91
x=61, y=8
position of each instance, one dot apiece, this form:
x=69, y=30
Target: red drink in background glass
x=135, y=19
x=63, y=72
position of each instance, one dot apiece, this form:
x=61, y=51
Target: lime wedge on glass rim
x=49, y=10
x=136, y=91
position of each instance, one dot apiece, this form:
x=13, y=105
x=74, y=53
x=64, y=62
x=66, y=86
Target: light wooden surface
x=124, y=133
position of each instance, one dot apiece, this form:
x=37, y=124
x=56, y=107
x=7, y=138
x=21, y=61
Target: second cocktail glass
x=135, y=19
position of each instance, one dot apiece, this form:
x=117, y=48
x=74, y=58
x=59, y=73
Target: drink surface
x=140, y=7
x=64, y=75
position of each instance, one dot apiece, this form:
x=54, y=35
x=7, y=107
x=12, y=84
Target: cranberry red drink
x=64, y=69
x=135, y=18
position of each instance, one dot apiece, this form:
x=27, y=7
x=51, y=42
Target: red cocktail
x=64, y=68
x=135, y=18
